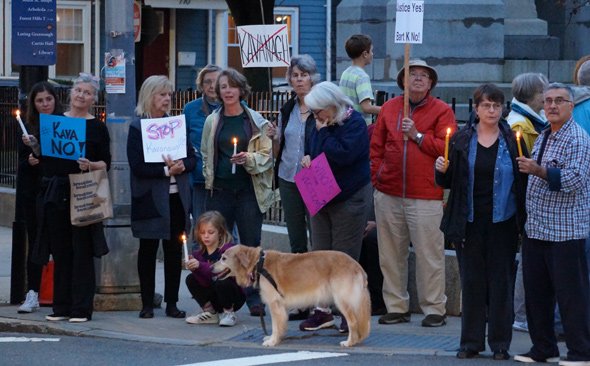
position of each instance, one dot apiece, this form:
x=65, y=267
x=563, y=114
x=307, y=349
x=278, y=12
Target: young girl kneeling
x=215, y=297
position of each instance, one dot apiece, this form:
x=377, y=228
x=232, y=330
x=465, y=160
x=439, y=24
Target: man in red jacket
x=408, y=204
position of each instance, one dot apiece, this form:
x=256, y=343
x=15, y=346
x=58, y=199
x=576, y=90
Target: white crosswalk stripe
x=269, y=359
x=26, y=339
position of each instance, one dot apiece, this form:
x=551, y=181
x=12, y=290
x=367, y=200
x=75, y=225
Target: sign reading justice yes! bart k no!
x=163, y=136
x=409, y=19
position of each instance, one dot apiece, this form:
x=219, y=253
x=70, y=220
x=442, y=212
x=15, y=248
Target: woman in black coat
x=483, y=218
x=160, y=201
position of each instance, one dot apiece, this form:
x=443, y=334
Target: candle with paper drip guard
x=518, y=144
x=20, y=122
x=233, y=166
x=184, y=248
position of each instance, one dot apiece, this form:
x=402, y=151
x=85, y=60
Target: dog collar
x=261, y=271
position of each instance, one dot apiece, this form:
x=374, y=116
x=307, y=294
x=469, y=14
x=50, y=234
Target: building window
x=73, y=39
x=283, y=15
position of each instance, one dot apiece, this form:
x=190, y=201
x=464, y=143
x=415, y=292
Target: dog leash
x=261, y=271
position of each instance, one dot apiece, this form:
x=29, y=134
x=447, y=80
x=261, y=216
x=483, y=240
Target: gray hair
x=204, y=71
x=560, y=86
x=326, y=94
x=584, y=74
x=150, y=87
x=305, y=63
x=526, y=86
x=86, y=78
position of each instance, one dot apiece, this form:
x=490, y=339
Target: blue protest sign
x=34, y=30
x=62, y=137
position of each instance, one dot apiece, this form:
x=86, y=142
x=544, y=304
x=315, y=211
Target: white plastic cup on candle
x=184, y=248
x=22, y=125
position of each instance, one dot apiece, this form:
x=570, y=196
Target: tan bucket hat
x=420, y=63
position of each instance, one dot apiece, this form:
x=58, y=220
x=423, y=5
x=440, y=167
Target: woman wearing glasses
x=483, y=218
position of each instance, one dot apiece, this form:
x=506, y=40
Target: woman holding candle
x=42, y=99
x=483, y=218
x=295, y=125
x=160, y=201
x=219, y=299
x=73, y=248
x=244, y=196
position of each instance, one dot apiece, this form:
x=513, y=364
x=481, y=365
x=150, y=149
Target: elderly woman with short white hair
x=341, y=134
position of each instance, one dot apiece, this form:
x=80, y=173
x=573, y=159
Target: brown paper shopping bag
x=90, y=197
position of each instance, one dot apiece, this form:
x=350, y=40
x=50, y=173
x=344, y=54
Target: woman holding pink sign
x=341, y=135
x=160, y=201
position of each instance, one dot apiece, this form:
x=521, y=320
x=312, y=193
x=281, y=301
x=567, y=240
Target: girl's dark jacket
x=456, y=178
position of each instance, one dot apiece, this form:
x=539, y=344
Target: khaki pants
x=399, y=222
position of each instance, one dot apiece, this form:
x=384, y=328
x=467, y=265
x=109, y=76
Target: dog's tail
x=364, y=311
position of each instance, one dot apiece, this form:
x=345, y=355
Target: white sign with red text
x=163, y=136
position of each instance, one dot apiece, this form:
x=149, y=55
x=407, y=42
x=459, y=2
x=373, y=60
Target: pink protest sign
x=317, y=184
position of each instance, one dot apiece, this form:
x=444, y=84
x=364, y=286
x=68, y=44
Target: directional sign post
x=34, y=30
x=409, y=18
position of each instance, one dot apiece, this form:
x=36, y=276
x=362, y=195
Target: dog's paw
x=346, y=344
x=269, y=341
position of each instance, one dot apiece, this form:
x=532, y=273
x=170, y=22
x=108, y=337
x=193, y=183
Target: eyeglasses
x=208, y=82
x=316, y=111
x=490, y=106
x=421, y=75
x=558, y=101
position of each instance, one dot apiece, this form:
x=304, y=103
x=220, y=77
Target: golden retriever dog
x=302, y=280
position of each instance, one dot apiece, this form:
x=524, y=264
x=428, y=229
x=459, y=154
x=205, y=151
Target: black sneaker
x=530, y=358
x=395, y=318
x=501, y=355
x=318, y=320
x=433, y=320
x=343, y=326
x=466, y=353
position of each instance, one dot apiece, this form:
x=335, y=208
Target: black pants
x=74, y=280
x=369, y=260
x=146, y=259
x=487, y=280
x=225, y=294
x=557, y=271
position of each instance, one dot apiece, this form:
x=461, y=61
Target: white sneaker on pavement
x=31, y=303
x=228, y=319
x=205, y=317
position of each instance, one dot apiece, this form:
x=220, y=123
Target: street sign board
x=34, y=32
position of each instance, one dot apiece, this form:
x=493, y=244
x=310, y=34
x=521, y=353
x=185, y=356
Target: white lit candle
x=233, y=166
x=20, y=122
x=184, y=248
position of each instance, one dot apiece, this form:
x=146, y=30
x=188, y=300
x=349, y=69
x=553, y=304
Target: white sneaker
x=574, y=363
x=205, y=317
x=228, y=319
x=31, y=303
x=520, y=326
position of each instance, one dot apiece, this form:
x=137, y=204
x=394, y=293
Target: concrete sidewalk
x=409, y=338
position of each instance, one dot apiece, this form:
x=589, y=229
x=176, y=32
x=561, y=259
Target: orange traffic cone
x=46, y=290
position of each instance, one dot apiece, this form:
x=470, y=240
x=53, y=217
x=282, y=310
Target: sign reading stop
x=136, y=21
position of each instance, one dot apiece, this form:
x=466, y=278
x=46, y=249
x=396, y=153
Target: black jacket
x=285, y=114
x=456, y=178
